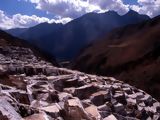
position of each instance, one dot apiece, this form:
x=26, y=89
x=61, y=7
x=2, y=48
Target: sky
x=28, y=13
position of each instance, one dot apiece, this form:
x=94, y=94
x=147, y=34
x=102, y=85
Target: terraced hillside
x=34, y=89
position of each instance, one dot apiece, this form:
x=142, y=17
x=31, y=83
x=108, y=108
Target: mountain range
x=125, y=49
x=107, y=44
x=130, y=53
x=66, y=41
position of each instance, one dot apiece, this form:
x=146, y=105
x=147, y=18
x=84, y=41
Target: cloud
x=76, y=8
x=65, y=8
x=61, y=20
x=23, y=21
x=5, y=22
x=116, y=5
x=149, y=7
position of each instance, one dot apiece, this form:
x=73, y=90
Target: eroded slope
x=129, y=53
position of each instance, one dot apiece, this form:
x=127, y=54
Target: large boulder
x=37, y=116
x=7, y=111
x=52, y=110
x=99, y=98
x=110, y=117
x=93, y=112
x=85, y=91
x=75, y=111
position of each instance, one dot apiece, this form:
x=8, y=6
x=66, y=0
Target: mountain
x=40, y=30
x=66, y=41
x=129, y=53
x=7, y=39
x=33, y=89
x=16, y=31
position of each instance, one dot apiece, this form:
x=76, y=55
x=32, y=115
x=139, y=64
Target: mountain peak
x=111, y=12
x=89, y=14
x=132, y=12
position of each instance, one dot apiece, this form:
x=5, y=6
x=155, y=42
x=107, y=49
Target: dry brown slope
x=130, y=53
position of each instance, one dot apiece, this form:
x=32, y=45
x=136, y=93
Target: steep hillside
x=7, y=40
x=39, y=31
x=33, y=89
x=16, y=31
x=129, y=53
x=65, y=41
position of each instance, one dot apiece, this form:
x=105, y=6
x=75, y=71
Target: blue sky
x=12, y=7
x=27, y=13
x=132, y=2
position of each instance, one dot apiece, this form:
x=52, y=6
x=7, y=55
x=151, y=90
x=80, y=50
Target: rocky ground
x=33, y=89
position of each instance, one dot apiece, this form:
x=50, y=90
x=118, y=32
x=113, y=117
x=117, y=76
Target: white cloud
x=5, y=22
x=116, y=5
x=61, y=20
x=149, y=7
x=66, y=10
x=76, y=8
x=22, y=21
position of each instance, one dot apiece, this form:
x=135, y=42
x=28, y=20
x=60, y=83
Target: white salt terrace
x=33, y=89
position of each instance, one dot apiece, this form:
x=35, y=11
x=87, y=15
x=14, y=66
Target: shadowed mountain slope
x=66, y=41
x=16, y=31
x=130, y=53
x=8, y=40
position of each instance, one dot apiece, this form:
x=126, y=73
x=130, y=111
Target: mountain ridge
x=66, y=42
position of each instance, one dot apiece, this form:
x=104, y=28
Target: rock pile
x=33, y=89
